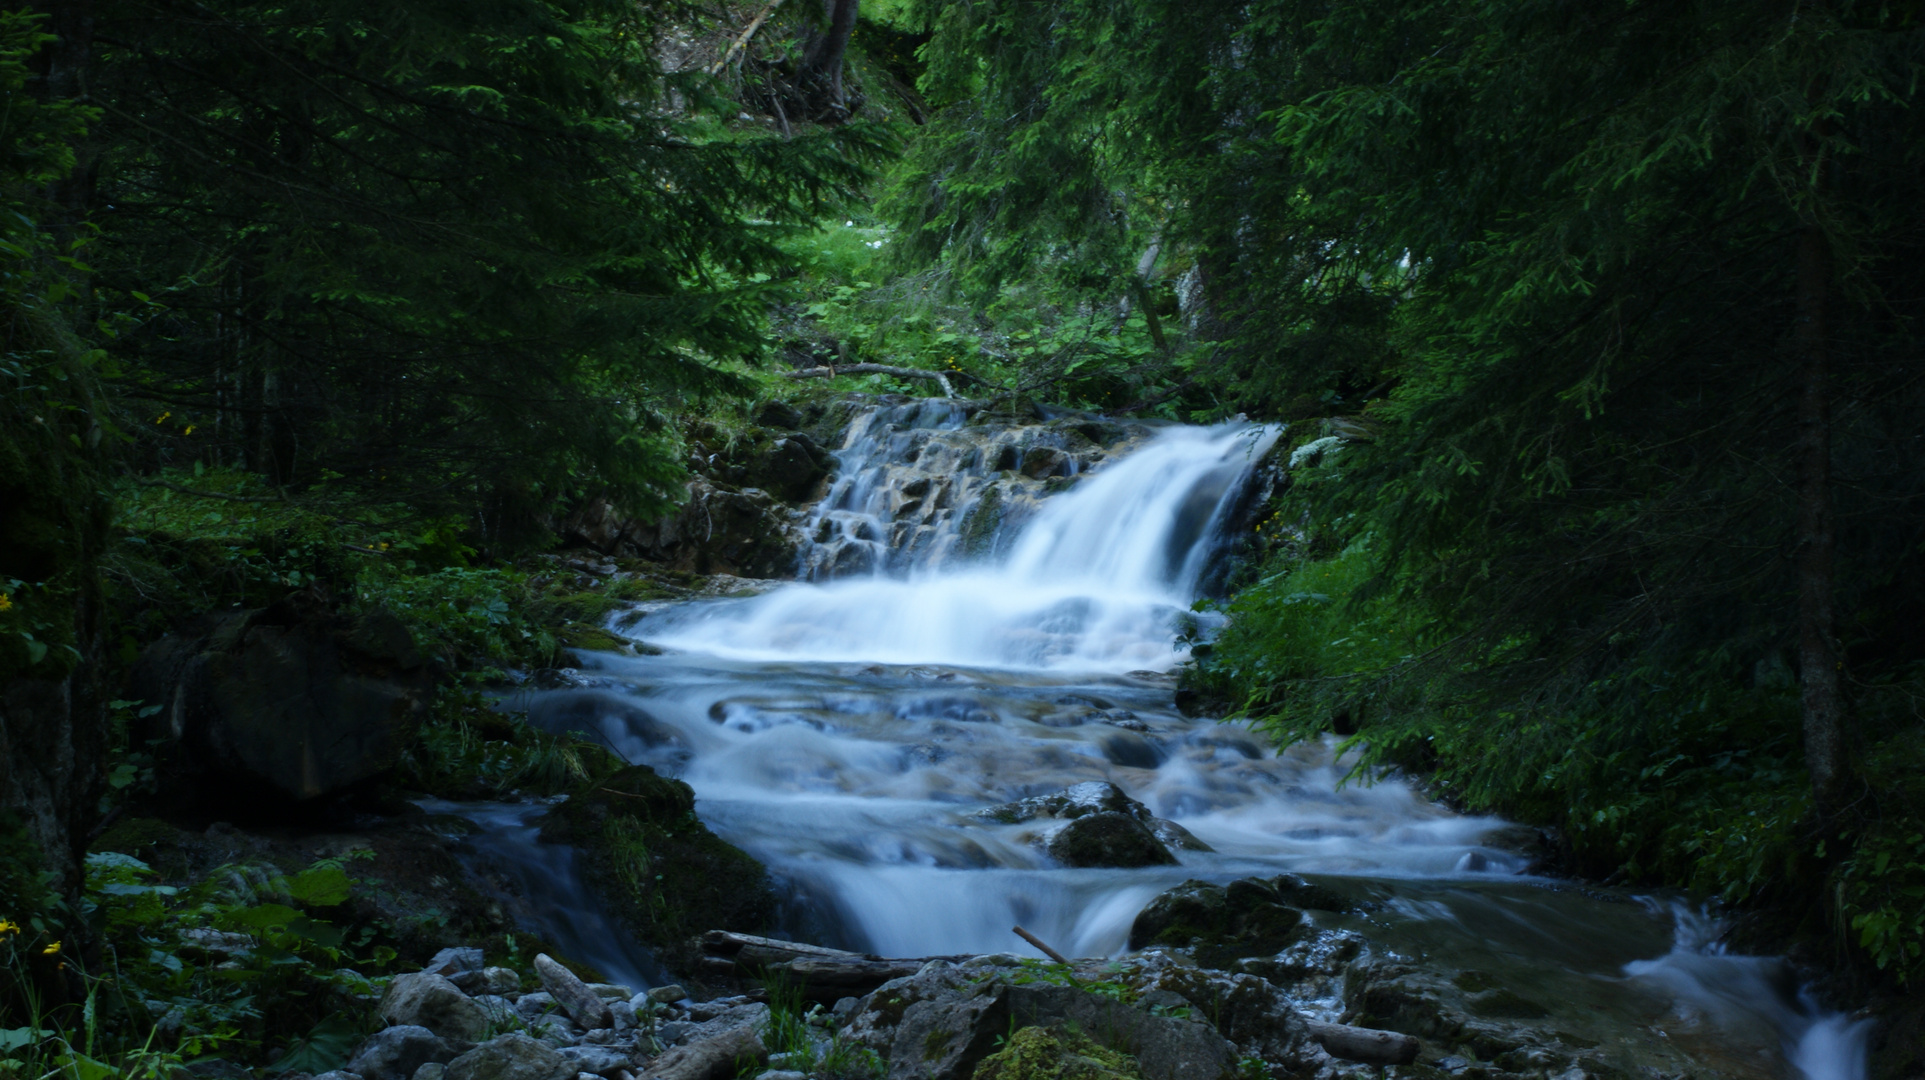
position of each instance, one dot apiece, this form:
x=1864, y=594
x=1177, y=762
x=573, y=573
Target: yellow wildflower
x=8, y=926
x=51, y=950
x=6, y=601
x=163, y=416
x=189, y=431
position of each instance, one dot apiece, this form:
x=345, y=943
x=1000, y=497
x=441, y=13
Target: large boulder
x=948, y=1036
x=1248, y=917
x=746, y=533
x=667, y=875
x=1108, y=839
x=511, y=1057
x=432, y=1002
x=395, y=1053
x=297, y=698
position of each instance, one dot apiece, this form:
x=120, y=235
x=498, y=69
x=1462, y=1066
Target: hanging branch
x=743, y=41
x=937, y=377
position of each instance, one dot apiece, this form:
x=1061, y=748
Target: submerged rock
x=1250, y=917
x=1108, y=838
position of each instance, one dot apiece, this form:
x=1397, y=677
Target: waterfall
x=991, y=612
x=1096, y=578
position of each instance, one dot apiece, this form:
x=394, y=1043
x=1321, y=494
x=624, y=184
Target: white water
x=847, y=733
x=1096, y=582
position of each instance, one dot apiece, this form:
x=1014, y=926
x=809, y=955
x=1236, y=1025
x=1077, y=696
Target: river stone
x=395, y=1053
x=583, y=1005
x=451, y=962
x=488, y=980
x=1108, y=839
x=432, y=1002
x=596, y=1059
x=511, y=1057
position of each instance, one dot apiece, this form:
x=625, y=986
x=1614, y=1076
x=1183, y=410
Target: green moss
x=979, y=527
x=1037, y=1053
x=467, y=750
x=593, y=638
x=663, y=870
x=137, y=836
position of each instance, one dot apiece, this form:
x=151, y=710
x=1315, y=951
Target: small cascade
x=920, y=485
x=989, y=613
x=1083, y=570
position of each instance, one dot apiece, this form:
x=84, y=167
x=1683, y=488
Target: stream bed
x=849, y=732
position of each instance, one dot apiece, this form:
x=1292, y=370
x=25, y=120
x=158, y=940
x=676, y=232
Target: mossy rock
x=140, y=837
x=659, y=866
x=1040, y=1053
x=1223, y=924
x=591, y=638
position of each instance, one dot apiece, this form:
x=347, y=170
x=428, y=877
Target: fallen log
x=820, y=974
x=729, y=943
x=1366, y=1044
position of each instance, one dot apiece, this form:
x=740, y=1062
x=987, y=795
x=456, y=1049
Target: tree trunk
x=822, y=61
x=1818, y=661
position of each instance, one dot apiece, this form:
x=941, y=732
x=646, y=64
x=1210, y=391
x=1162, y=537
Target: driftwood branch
x=937, y=377
x=821, y=974
x=1365, y=1044
x=1038, y=942
x=742, y=42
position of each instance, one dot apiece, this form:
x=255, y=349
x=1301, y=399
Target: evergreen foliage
x=454, y=256
x=1587, y=279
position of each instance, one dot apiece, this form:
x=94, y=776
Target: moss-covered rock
x=1249, y=917
x=657, y=864
x=1039, y=1053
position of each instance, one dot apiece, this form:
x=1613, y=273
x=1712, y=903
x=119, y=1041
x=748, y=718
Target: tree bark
x=822, y=60
x=1818, y=662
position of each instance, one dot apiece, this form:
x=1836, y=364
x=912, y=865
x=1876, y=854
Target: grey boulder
x=582, y=1004
x=432, y=1002
x=511, y=1057
x=395, y=1053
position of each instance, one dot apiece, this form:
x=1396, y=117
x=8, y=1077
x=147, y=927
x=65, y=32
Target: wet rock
x=511, y=1057
x=698, y=882
x=433, y=1070
x=790, y=467
x=395, y=1053
x=1092, y=797
x=780, y=415
x=1247, y=918
x=1132, y=750
x=1110, y=839
x=1042, y=461
x=432, y=1002
x=296, y=699
x=583, y=1005
x=667, y=995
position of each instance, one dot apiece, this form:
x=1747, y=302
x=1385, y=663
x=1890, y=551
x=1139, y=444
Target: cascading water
x=994, y=615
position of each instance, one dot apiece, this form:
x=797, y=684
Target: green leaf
x=323, y=886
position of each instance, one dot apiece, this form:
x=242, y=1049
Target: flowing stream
x=993, y=614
